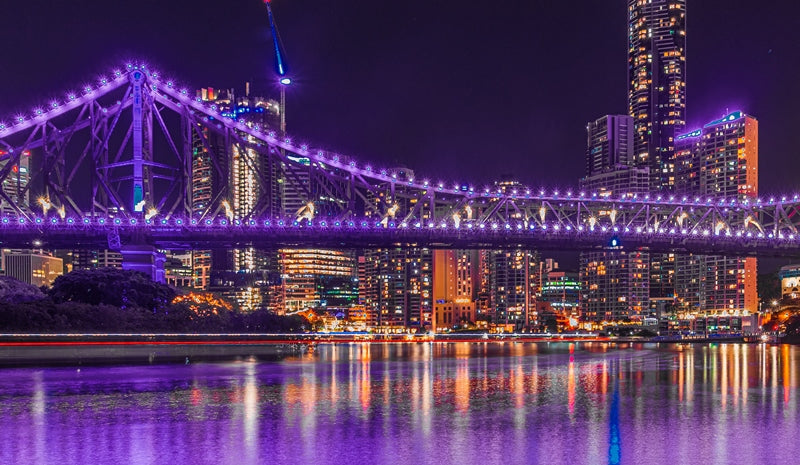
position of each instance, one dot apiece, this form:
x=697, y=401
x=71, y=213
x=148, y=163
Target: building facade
x=562, y=290
x=454, y=278
x=719, y=160
x=398, y=286
x=790, y=281
x=513, y=283
x=32, y=268
x=316, y=279
x=15, y=184
x=614, y=282
x=657, y=83
x=615, y=285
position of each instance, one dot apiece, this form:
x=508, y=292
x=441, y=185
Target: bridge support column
x=144, y=258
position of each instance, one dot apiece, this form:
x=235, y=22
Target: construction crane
x=280, y=64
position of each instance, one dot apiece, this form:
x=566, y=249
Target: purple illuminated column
x=137, y=78
x=144, y=258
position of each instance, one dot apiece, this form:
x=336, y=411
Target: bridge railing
x=185, y=233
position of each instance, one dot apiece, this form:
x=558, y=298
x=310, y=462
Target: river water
x=416, y=403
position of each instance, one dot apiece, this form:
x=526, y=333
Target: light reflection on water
x=416, y=403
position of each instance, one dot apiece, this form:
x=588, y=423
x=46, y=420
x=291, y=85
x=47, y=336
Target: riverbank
x=102, y=349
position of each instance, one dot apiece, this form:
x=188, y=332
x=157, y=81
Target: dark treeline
x=120, y=301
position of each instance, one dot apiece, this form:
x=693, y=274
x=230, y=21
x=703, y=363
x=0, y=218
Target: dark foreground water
x=416, y=404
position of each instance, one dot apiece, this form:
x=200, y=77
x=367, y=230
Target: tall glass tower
x=657, y=83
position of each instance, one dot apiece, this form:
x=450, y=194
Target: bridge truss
x=117, y=162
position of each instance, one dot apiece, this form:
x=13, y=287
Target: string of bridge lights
x=519, y=228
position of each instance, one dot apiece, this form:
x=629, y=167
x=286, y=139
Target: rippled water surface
x=417, y=403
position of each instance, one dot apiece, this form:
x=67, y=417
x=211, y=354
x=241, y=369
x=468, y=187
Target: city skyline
x=189, y=276
x=657, y=104
x=455, y=140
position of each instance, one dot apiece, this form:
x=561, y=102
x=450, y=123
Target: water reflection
x=416, y=403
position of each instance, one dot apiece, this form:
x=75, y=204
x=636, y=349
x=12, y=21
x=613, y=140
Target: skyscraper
x=614, y=282
x=615, y=285
x=398, y=287
x=610, y=158
x=718, y=160
x=454, y=276
x=316, y=279
x=253, y=184
x=513, y=283
x=657, y=83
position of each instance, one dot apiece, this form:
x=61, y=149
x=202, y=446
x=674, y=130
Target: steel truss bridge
x=112, y=164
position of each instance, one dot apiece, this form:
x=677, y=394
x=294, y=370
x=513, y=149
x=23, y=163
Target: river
x=415, y=403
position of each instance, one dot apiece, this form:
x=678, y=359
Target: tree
x=769, y=287
x=112, y=286
x=14, y=291
x=264, y=321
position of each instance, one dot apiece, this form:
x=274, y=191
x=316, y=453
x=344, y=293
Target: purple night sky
x=454, y=90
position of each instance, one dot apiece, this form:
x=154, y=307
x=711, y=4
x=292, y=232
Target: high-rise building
x=609, y=143
x=656, y=83
x=398, y=287
x=253, y=184
x=316, y=279
x=512, y=277
x=718, y=160
x=615, y=285
x=454, y=275
x=615, y=282
x=610, y=159
x=513, y=284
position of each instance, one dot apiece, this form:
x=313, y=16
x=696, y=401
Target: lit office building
x=513, y=282
x=610, y=157
x=399, y=288
x=254, y=184
x=89, y=259
x=615, y=285
x=316, y=279
x=615, y=282
x=656, y=83
x=454, y=275
x=718, y=160
x=178, y=269
x=32, y=268
x=562, y=290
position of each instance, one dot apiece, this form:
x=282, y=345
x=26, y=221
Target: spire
x=280, y=63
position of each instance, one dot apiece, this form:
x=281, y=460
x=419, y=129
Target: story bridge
x=115, y=165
